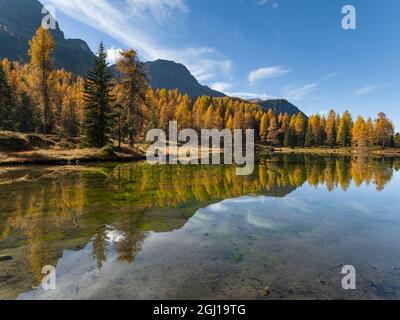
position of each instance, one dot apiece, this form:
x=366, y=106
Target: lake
x=135, y=231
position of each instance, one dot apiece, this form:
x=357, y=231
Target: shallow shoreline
x=62, y=157
x=393, y=152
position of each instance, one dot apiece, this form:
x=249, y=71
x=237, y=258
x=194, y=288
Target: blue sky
x=293, y=49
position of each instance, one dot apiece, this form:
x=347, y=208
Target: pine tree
x=98, y=116
x=309, y=141
x=288, y=140
x=397, y=140
x=41, y=51
x=7, y=106
x=27, y=118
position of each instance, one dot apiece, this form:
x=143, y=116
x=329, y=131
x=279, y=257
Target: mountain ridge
x=171, y=75
x=278, y=106
x=20, y=20
x=18, y=24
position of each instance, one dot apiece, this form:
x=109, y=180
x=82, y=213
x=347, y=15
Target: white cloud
x=264, y=73
x=299, y=92
x=113, y=54
x=221, y=86
x=249, y=95
x=160, y=9
x=207, y=69
x=330, y=76
x=229, y=89
x=274, y=3
x=365, y=90
x=130, y=25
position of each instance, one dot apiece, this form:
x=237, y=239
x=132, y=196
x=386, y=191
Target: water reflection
x=110, y=209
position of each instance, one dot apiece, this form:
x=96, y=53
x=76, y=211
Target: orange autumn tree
x=41, y=51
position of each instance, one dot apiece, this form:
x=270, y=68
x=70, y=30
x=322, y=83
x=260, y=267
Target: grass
x=18, y=149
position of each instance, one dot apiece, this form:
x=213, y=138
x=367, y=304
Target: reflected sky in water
x=283, y=233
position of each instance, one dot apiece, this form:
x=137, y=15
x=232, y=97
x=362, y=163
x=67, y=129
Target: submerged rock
x=5, y=257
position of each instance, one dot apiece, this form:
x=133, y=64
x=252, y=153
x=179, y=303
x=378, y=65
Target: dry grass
x=19, y=148
x=65, y=156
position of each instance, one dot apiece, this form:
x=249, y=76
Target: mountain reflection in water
x=137, y=231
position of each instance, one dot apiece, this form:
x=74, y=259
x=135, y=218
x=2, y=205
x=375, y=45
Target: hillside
x=18, y=22
x=20, y=19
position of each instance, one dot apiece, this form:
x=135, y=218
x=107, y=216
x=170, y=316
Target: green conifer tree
x=98, y=115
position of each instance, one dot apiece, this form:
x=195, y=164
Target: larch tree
x=229, y=123
x=370, y=131
x=264, y=129
x=183, y=114
x=273, y=132
x=384, y=131
x=331, y=130
x=98, y=115
x=7, y=106
x=134, y=84
x=345, y=128
x=359, y=133
x=69, y=118
x=153, y=112
x=41, y=51
x=300, y=129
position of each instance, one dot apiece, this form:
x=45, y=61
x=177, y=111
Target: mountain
x=19, y=20
x=277, y=105
x=171, y=75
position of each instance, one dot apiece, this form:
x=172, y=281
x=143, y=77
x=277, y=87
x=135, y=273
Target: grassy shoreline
x=28, y=149
x=389, y=152
x=74, y=156
x=62, y=157
x=22, y=149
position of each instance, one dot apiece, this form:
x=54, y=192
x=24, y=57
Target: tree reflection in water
x=45, y=211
